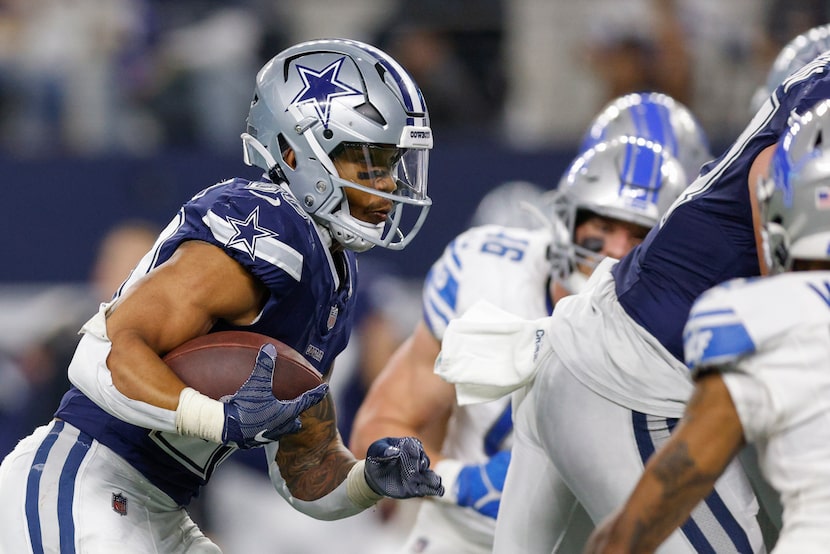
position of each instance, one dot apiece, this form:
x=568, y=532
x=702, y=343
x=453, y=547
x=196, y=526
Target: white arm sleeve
x=89, y=372
x=351, y=497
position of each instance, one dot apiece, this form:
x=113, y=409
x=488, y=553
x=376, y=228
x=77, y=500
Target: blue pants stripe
x=646, y=446
x=733, y=529
x=33, y=487
x=730, y=525
x=66, y=492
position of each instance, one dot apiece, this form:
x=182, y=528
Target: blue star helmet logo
x=248, y=231
x=320, y=87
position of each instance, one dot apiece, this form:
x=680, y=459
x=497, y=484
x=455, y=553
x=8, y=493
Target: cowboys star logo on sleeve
x=321, y=86
x=248, y=231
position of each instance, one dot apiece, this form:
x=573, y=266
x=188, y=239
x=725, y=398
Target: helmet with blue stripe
x=320, y=98
x=796, y=54
x=656, y=117
x=795, y=200
x=626, y=178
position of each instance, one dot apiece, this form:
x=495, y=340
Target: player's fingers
x=263, y=373
x=309, y=398
x=423, y=461
x=431, y=485
x=266, y=358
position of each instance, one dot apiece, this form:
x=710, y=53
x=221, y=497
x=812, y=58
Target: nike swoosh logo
x=270, y=200
x=260, y=437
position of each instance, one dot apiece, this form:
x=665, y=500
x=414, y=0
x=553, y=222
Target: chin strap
x=342, y=223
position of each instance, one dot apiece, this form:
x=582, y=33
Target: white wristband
x=200, y=416
x=448, y=469
x=357, y=489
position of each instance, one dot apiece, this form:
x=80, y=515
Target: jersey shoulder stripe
x=715, y=337
x=262, y=243
x=440, y=291
x=257, y=222
x=743, y=316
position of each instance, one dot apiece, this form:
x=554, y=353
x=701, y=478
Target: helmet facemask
x=394, y=177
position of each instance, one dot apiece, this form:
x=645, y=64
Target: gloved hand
x=479, y=486
x=254, y=417
x=399, y=468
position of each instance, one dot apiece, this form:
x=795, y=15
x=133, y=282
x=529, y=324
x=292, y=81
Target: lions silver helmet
x=323, y=97
x=658, y=118
x=508, y=205
x=627, y=178
x=796, y=54
x=795, y=199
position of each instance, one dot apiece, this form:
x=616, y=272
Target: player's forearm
x=670, y=488
x=314, y=461
x=139, y=373
x=682, y=473
x=350, y=496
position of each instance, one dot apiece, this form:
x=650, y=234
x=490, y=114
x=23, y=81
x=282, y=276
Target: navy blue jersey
x=707, y=236
x=310, y=308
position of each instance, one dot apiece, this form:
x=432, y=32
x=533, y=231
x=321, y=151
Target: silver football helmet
x=627, y=178
x=325, y=97
x=658, y=118
x=795, y=55
x=509, y=205
x=795, y=199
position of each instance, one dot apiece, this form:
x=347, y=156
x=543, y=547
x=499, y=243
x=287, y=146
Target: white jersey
x=771, y=339
x=508, y=267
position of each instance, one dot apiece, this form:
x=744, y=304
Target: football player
x=611, y=384
x=342, y=134
x=760, y=355
x=614, y=192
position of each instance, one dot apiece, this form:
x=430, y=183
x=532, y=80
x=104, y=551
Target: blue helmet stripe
x=641, y=168
x=653, y=121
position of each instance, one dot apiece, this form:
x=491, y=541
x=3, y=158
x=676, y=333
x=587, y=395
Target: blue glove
x=479, y=486
x=399, y=468
x=254, y=417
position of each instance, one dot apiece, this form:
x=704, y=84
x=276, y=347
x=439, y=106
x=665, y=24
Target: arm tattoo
x=314, y=461
x=681, y=482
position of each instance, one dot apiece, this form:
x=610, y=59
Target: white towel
x=488, y=353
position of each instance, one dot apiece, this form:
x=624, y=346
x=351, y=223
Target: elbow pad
x=89, y=372
x=351, y=497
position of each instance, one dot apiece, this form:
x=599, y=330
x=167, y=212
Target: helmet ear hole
x=283, y=145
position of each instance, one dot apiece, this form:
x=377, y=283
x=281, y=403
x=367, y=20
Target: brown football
x=217, y=364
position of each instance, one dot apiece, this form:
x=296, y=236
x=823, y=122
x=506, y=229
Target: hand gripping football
x=217, y=364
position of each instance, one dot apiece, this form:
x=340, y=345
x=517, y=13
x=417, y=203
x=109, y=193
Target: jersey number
x=505, y=246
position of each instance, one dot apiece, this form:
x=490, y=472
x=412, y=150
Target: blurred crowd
x=98, y=77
